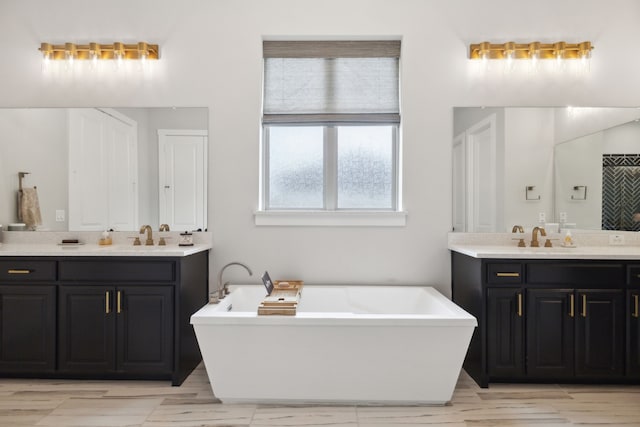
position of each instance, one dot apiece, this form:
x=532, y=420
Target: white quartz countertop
x=588, y=245
x=93, y=249
x=559, y=252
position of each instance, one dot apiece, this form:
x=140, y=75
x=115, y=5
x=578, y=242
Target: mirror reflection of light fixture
x=96, y=52
x=533, y=51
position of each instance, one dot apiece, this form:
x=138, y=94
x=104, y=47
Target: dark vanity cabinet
x=111, y=329
x=548, y=320
x=633, y=322
x=27, y=316
x=107, y=317
x=504, y=317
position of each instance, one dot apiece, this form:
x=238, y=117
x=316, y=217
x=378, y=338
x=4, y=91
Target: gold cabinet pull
x=520, y=304
x=107, y=308
x=508, y=274
x=18, y=271
x=571, y=305
x=118, y=305
x=584, y=305
x=635, y=303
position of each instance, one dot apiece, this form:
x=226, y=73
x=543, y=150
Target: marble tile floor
x=157, y=404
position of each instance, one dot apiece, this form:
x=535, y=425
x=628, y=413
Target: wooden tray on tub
x=284, y=298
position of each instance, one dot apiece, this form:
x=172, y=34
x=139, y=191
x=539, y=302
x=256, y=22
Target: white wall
x=211, y=56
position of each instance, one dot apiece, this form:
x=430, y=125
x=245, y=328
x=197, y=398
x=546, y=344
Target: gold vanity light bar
x=532, y=50
x=96, y=51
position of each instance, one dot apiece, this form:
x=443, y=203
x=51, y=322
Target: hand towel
x=29, y=207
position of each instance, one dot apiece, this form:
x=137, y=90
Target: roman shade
x=331, y=82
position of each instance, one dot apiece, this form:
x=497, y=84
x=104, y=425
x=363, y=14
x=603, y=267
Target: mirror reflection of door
x=474, y=168
x=103, y=170
x=459, y=192
x=182, y=168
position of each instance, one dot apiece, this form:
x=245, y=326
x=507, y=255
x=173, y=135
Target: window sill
x=331, y=218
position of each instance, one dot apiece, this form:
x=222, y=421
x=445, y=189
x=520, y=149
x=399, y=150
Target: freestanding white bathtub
x=349, y=344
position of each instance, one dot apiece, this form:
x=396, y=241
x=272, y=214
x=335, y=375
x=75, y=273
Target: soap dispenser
x=105, y=239
x=568, y=239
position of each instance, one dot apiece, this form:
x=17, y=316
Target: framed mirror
x=106, y=168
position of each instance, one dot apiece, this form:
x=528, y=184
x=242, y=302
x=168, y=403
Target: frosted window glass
x=365, y=167
x=296, y=167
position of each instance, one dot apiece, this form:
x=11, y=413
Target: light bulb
x=143, y=54
x=558, y=51
x=484, y=53
x=584, y=52
x=118, y=55
x=534, y=56
x=510, y=55
x=94, y=54
x=47, y=53
x=69, y=55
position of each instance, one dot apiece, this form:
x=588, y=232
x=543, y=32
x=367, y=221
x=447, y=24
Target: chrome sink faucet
x=223, y=289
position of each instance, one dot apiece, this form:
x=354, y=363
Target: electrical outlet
x=563, y=217
x=59, y=215
x=542, y=217
x=616, y=239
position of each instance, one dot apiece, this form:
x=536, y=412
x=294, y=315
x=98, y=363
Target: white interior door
x=481, y=176
x=123, y=176
x=182, y=169
x=459, y=187
x=103, y=170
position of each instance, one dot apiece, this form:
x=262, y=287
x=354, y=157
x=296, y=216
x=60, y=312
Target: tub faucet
x=223, y=289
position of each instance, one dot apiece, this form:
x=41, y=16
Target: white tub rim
x=218, y=314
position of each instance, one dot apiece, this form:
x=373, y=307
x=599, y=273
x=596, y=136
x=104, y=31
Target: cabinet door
x=145, y=329
x=27, y=328
x=86, y=329
x=633, y=334
x=550, y=344
x=599, y=333
x=505, y=337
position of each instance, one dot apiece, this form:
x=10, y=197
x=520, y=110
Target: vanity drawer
x=576, y=273
x=504, y=273
x=24, y=270
x=87, y=270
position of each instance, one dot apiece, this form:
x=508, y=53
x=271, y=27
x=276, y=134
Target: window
x=330, y=126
